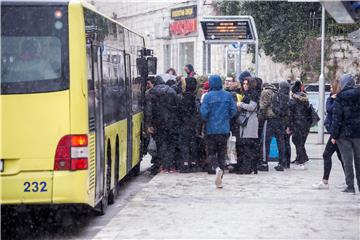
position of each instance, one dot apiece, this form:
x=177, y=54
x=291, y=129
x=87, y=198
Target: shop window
x=186, y=55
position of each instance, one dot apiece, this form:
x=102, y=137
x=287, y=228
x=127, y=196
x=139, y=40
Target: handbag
x=314, y=116
x=242, y=119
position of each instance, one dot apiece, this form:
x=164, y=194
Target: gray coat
x=251, y=129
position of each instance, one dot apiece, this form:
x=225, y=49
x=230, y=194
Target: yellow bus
x=71, y=104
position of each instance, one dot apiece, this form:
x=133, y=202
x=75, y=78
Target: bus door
x=96, y=122
x=128, y=111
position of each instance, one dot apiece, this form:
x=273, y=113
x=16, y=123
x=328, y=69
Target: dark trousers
x=216, y=149
x=350, y=152
x=275, y=127
x=247, y=156
x=287, y=149
x=165, y=142
x=299, y=138
x=188, y=147
x=260, y=141
x=330, y=149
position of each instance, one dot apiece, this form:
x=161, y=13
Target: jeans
x=216, y=149
x=275, y=127
x=350, y=152
x=330, y=149
x=299, y=138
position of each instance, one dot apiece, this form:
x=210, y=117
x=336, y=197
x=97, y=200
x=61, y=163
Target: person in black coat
x=299, y=123
x=160, y=113
x=345, y=129
x=188, y=119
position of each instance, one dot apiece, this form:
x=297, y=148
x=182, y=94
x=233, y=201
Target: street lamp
x=322, y=81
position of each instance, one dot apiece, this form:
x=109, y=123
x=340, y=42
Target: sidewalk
x=272, y=205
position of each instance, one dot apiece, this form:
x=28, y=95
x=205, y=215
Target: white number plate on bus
x=1, y=165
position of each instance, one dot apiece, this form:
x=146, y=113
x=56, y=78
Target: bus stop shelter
x=229, y=30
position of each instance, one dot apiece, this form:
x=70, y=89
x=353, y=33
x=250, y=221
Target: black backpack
x=276, y=105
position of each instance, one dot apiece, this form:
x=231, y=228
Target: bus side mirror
x=142, y=66
x=152, y=65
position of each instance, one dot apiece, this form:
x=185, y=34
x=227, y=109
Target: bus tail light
x=72, y=153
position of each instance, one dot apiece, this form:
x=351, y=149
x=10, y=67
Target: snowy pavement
x=270, y=205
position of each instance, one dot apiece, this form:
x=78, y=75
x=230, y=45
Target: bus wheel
x=110, y=193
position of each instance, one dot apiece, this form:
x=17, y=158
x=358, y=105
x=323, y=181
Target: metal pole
x=239, y=58
x=205, y=64
x=257, y=58
x=322, y=82
x=226, y=60
x=209, y=58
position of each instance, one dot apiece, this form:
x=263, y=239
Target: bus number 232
x=35, y=187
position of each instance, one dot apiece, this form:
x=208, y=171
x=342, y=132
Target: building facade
x=172, y=29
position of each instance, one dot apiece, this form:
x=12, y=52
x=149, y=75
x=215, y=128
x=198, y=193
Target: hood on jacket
x=270, y=86
x=215, y=82
x=284, y=87
x=243, y=75
x=159, y=80
x=346, y=80
x=191, y=84
x=300, y=96
x=161, y=89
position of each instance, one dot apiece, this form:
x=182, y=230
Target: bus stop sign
x=227, y=30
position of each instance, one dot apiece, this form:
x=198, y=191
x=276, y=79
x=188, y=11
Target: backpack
x=276, y=105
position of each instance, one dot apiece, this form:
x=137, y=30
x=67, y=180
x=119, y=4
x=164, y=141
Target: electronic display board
x=227, y=30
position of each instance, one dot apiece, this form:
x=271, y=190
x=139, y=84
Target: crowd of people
x=190, y=124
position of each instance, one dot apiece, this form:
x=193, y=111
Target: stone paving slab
x=272, y=205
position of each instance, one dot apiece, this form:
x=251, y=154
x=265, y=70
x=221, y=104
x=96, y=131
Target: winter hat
x=346, y=80
x=243, y=75
x=284, y=85
x=297, y=87
x=190, y=67
x=191, y=84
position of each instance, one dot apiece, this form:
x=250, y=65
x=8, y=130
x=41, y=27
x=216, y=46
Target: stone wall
x=341, y=57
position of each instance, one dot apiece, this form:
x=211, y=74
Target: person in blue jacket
x=217, y=110
x=330, y=148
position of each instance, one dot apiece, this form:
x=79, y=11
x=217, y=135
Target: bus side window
x=91, y=90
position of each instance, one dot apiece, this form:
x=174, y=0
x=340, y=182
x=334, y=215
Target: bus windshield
x=34, y=49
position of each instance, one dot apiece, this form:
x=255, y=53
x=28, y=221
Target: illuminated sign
x=227, y=30
x=183, y=27
x=184, y=13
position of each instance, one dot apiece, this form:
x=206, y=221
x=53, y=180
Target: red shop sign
x=183, y=27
